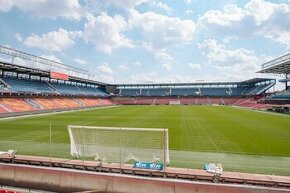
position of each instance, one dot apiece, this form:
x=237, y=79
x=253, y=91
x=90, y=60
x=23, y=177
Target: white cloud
x=150, y=77
x=231, y=64
x=230, y=14
x=189, y=11
x=162, y=56
x=122, y=67
x=137, y=63
x=230, y=38
x=219, y=54
x=18, y=37
x=161, y=31
x=105, y=68
x=282, y=38
x=160, y=5
x=105, y=78
x=256, y=18
x=51, y=41
x=154, y=77
x=106, y=32
x=188, y=1
x=126, y=3
x=69, y=9
x=194, y=66
x=80, y=61
x=262, y=10
x=95, y=7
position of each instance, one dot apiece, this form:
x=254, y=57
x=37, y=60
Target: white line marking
x=53, y=113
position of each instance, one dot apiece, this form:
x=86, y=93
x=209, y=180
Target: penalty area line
x=54, y=113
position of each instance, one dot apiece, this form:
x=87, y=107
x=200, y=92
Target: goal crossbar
x=118, y=128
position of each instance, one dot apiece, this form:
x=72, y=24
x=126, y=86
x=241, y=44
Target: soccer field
x=242, y=140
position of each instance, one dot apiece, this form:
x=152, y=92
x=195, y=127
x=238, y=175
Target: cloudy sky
x=130, y=41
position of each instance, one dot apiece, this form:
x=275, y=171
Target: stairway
x=33, y=103
x=6, y=108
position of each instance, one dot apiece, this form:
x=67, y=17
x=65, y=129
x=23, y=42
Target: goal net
x=176, y=102
x=119, y=145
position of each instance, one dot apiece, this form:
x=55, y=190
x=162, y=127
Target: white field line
x=53, y=113
x=261, y=111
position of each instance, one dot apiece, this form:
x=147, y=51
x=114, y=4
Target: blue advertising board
x=147, y=165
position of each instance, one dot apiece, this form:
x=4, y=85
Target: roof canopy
x=243, y=83
x=43, y=73
x=280, y=65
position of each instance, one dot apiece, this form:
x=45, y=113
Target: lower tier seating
x=10, y=105
x=16, y=104
x=235, y=101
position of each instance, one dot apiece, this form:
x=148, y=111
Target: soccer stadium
x=63, y=129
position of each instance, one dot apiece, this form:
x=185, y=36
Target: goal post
x=119, y=144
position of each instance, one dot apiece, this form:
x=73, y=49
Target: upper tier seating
x=66, y=88
x=36, y=86
x=130, y=92
x=155, y=92
x=184, y=91
x=201, y=91
x=92, y=91
x=24, y=85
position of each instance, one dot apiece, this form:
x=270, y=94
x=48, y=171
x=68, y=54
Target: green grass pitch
x=242, y=140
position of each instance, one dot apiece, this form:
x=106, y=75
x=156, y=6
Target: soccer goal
x=120, y=145
x=176, y=102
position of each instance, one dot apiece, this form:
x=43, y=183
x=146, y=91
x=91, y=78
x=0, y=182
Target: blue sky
x=133, y=41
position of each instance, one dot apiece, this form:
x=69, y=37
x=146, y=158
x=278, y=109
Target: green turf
x=243, y=140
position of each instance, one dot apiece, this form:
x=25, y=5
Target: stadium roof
x=247, y=82
x=43, y=73
x=280, y=65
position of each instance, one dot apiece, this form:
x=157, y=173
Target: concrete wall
x=64, y=180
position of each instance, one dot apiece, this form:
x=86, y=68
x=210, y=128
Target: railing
x=276, y=61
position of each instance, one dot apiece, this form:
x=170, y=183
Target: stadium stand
x=66, y=102
x=25, y=89
x=2, y=110
x=242, y=102
x=7, y=191
x=23, y=85
x=36, y=86
x=66, y=89
x=281, y=95
x=46, y=103
x=251, y=87
x=216, y=101
x=11, y=105
x=188, y=101
x=279, y=66
x=16, y=104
